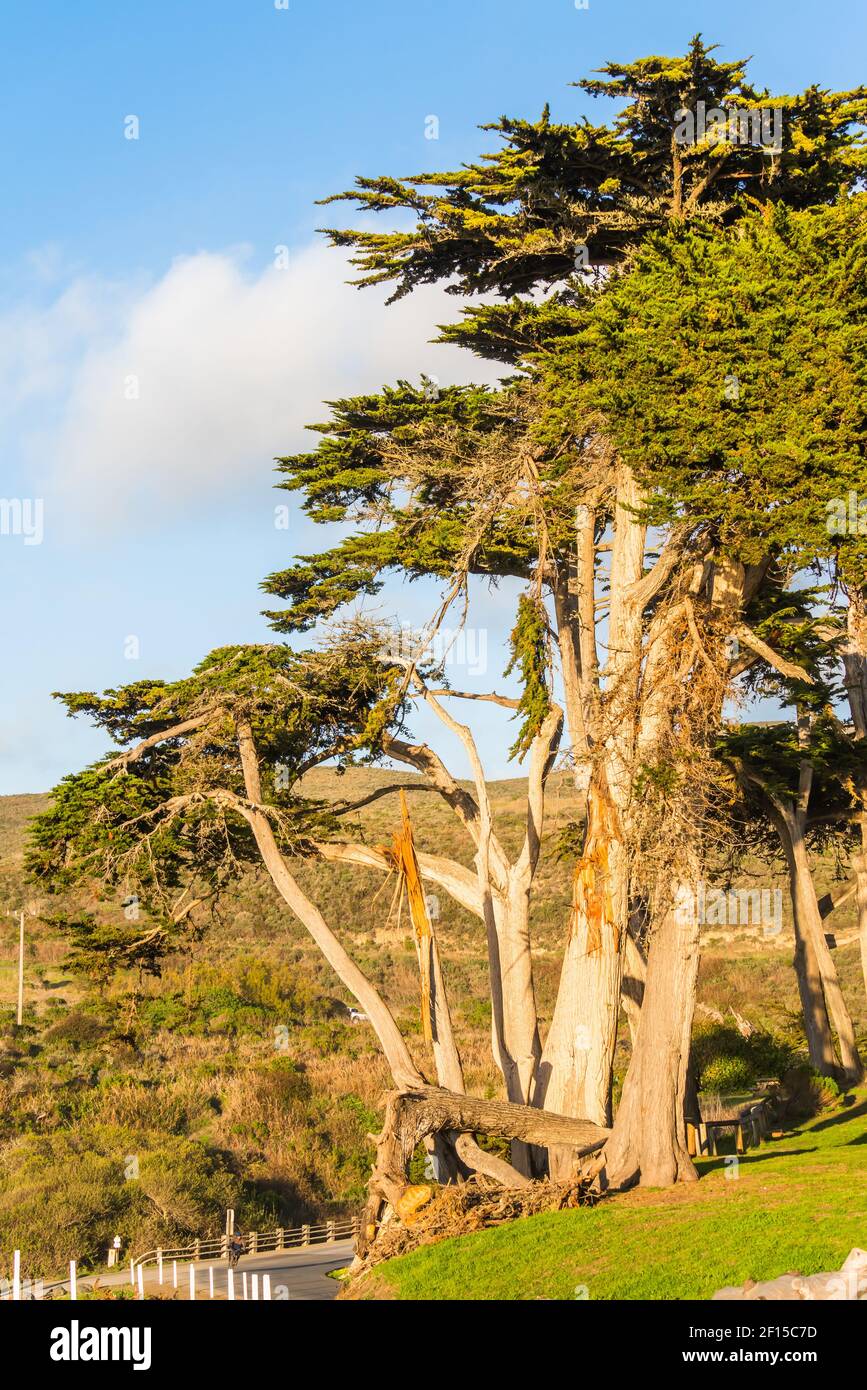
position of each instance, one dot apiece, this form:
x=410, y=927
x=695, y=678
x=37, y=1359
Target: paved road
x=301, y=1273
x=296, y=1274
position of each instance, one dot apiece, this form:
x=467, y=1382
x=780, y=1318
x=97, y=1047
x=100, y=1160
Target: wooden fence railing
x=255, y=1243
x=202, y=1251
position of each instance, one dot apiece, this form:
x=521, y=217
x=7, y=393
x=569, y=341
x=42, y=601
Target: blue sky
x=153, y=359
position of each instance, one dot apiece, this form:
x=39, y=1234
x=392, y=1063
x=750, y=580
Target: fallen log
x=848, y=1283
x=412, y=1116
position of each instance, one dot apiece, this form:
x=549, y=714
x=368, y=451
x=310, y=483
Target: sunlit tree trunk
x=855, y=671
x=812, y=951
x=648, y=1144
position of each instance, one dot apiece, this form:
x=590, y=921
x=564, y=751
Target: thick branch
x=397, y=1053
x=780, y=663
x=543, y=750
x=459, y=882
x=492, y=697
x=645, y=590
x=412, y=1115
x=176, y=731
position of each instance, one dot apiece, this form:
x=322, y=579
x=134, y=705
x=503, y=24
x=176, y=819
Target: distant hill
x=237, y=1077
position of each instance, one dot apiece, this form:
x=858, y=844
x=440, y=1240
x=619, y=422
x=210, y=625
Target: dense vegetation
x=188, y=1071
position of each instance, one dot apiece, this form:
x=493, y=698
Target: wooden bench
x=751, y=1123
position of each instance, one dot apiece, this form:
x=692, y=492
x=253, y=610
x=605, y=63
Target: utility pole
x=21, y=969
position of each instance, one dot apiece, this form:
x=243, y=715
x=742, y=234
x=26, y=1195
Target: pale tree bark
x=411, y=1117
x=450, y=1077
x=577, y=1063
x=817, y=1025
x=397, y=1055
x=396, y=1052
x=808, y=907
x=574, y=592
x=504, y=888
x=812, y=953
x=648, y=1143
x=855, y=673
x=634, y=980
x=499, y=891
x=516, y=996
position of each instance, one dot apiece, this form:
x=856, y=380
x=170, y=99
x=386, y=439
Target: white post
x=230, y=1284
x=266, y=1288
x=160, y=1265
x=21, y=972
x=16, y=1277
x=193, y=1282
x=141, y=1282
x=211, y=1279
x=175, y=1273
x=255, y=1290
x=132, y=1273
x=73, y=1283
x=244, y=1282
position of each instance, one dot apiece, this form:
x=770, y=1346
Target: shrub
x=727, y=1074
x=80, y=1028
x=725, y=1060
x=805, y=1092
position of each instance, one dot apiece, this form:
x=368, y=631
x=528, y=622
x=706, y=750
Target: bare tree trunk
x=855, y=671
x=634, y=979
x=520, y=1017
x=450, y=1072
x=817, y=1025
x=648, y=1142
x=577, y=1061
x=574, y=684
x=397, y=1055
x=808, y=908
x=821, y=1000
x=396, y=1052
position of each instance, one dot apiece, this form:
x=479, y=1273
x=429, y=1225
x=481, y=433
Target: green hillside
x=238, y=1078
x=796, y=1204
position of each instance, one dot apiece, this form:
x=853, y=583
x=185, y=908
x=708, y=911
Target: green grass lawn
x=797, y=1203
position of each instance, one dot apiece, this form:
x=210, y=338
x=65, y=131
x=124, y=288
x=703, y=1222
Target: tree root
x=458, y=1210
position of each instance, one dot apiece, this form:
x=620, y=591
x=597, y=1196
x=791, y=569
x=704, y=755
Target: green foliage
x=727, y=1075
x=66, y=1195
x=529, y=644
x=726, y=1061
x=250, y=997
x=768, y=762
x=428, y=479
x=807, y=1091
x=162, y=825
x=514, y=220
x=421, y=456
x=730, y=369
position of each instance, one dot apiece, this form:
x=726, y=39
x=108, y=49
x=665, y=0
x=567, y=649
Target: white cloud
x=187, y=388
